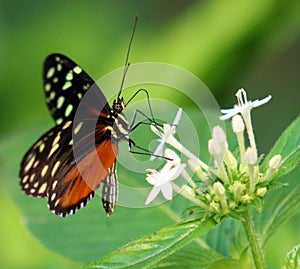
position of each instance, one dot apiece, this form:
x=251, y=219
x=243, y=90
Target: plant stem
x=253, y=241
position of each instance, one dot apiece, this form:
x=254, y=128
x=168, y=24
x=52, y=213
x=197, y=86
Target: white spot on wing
x=47, y=87
x=42, y=188
x=24, y=179
x=41, y=147
x=54, y=184
x=55, y=80
x=54, y=148
x=77, y=70
x=32, y=177
x=54, y=169
x=52, y=95
x=68, y=110
x=59, y=67
x=53, y=196
x=29, y=164
x=44, y=171
x=69, y=76
x=78, y=127
x=67, y=124
x=56, y=203
x=67, y=85
x=36, y=164
x=60, y=102
x=55, y=141
x=59, y=121
x=50, y=72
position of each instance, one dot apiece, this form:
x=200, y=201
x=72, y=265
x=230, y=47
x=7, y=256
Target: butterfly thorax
x=119, y=124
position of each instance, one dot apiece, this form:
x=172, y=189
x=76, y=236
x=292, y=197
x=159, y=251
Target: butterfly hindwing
x=49, y=168
x=45, y=158
x=78, y=185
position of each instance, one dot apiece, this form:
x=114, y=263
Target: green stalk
x=253, y=241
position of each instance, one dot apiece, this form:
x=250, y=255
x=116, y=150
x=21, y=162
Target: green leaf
x=282, y=204
x=288, y=146
x=292, y=259
x=150, y=249
x=279, y=206
x=196, y=255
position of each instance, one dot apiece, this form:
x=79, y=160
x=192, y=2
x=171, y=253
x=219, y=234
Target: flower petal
x=153, y=193
x=178, y=116
x=167, y=190
x=257, y=103
x=159, y=150
x=231, y=113
x=171, y=154
x=176, y=171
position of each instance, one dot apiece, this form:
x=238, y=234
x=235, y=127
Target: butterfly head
x=118, y=105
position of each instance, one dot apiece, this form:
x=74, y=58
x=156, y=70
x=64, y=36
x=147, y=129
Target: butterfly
x=57, y=168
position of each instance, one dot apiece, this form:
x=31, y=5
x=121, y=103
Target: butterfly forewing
x=65, y=84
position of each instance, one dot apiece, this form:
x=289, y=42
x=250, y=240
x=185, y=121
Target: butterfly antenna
x=127, y=64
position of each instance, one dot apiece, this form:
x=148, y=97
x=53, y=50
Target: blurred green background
x=227, y=44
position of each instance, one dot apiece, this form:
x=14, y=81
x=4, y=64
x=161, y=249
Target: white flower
x=243, y=106
x=161, y=180
x=166, y=134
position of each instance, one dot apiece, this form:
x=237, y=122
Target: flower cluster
x=232, y=182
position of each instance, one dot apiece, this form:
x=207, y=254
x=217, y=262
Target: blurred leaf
x=288, y=146
x=292, y=259
x=148, y=250
x=282, y=204
x=227, y=264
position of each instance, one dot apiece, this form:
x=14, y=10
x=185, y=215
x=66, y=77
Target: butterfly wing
x=65, y=84
x=49, y=168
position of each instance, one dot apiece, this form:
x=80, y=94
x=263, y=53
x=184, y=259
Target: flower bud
x=213, y=147
x=275, y=161
x=215, y=207
x=219, y=189
x=237, y=189
x=237, y=123
x=250, y=156
x=246, y=199
x=218, y=135
x=261, y=191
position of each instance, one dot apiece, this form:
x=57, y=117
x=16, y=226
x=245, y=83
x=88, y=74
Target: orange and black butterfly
x=49, y=169
x=67, y=164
